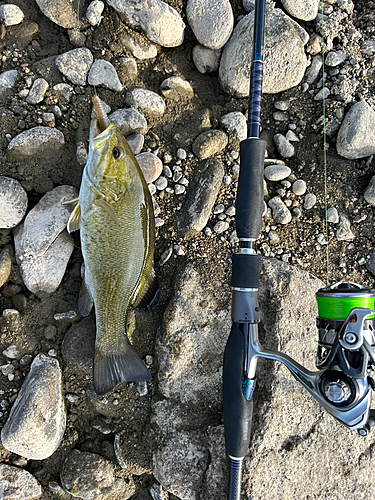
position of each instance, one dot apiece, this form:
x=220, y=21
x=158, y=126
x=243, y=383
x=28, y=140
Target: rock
x=127, y=71
x=77, y=348
x=136, y=142
x=284, y=147
x=334, y=58
x=42, y=251
x=199, y=200
x=18, y=484
x=356, y=137
x=299, y=187
x=306, y=11
x=322, y=94
x=90, y=476
x=332, y=215
x=310, y=201
x=129, y=121
x=284, y=56
x=5, y=265
x=369, y=194
x=221, y=226
x=150, y=104
x=37, y=142
x=160, y=22
x=211, y=21
x=103, y=73
x=235, y=124
x=7, y=82
x=161, y=183
x=176, y=88
x=11, y=14
x=151, y=166
x=37, y=91
x=280, y=212
x=36, y=423
x=209, y=143
x=344, y=232
x=140, y=50
x=94, y=12
x=192, y=390
x=64, y=90
x=13, y=202
x=61, y=12
x=312, y=71
x=75, y=64
x=277, y=172
x=206, y=60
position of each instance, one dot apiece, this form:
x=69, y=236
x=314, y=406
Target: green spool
x=335, y=303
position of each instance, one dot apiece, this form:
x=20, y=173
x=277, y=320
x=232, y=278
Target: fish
x=114, y=212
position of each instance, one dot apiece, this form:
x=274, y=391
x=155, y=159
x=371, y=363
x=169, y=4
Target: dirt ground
x=126, y=412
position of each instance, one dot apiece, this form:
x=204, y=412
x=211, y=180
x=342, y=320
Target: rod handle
x=237, y=410
x=249, y=202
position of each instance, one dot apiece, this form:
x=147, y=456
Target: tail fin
x=112, y=368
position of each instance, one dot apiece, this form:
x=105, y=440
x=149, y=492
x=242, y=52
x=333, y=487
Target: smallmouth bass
x=114, y=213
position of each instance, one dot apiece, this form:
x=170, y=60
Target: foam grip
x=249, y=202
x=237, y=410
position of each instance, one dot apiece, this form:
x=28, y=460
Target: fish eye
x=117, y=153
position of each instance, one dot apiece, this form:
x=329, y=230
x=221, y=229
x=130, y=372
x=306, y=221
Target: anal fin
x=110, y=369
x=146, y=301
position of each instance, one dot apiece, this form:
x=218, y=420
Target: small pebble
x=37, y=91
x=333, y=215
x=142, y=388
x=166, y=256
x=322, y=94
x=151, y=166
x=181, y=153
x=102, y=72
x=310, y=200
x=11, y=14
x=299, y=187
x=179, y=250
x=218, y=209
x=276, y=172
x=220, y=227
x=68, y=316
x=161, y=183
x=280, y=211
x=94, y=12
x=179, y=189
x=284, y=147
x=167, y=171
x=231, y=211
x=159, y=222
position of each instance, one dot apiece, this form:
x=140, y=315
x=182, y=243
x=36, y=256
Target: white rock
x=299, y=187
x=310, y=201
x=151, y=166
x=37, y=91
x=284, y=56
x=42, y=251
x=65, y=90
x=150, y=104
x=211, y=21
x=21, y=484
x=13, y=202
x=284, y=147
x=280, y=212
x=36, y=423
x=276, y=172
x=7, y=81
x=11, y=14
x=36, y=142
x=206, y=60
x=129, y=121
x=161, y=23
x=94, y=12
x=356, y=137
x=235, y=124
x=62, y=12
x=103, y=73
x=75, y=64
x=306, y=10
x=176, y=88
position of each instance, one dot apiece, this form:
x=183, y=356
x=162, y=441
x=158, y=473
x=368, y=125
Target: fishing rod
x=345, y=358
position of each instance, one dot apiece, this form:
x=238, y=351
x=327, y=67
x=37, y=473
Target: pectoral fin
x=85, y=301
x=100, y=202
x=74, y=221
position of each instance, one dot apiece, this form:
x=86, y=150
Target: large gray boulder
x=292, y=436
x=285, y=61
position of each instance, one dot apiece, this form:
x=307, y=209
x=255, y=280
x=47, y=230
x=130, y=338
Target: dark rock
x=200, y=199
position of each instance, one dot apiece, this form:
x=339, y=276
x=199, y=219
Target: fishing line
x=325, y=153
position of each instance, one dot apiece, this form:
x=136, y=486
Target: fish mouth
x=99, y=139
